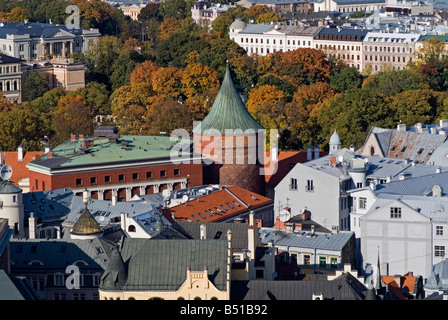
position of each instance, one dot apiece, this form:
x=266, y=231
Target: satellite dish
x=185, y=198
x=285, y=215
x=166, y=193
x=6, y=172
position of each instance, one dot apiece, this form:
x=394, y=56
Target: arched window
x=131, y=228
x=372, y=151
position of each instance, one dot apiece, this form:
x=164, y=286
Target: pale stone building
x=349, y=6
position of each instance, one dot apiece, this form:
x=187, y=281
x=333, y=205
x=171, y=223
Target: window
x=135, y=176
x=306, y=259
x=293, y=184
x=58, y=279
x=333, y=262
x=107, y=179
x=439, y=251
x=395, y=213
x=439, y=230
x=93, y=180
x=149, y=175
x=78, y=181
x=309, y=186
x=362, y=203
x=322, y=261
x=176, y=172
x=259, y=274
x=162, y=173
x=121, y=177
x=293, y=258
x=96, y=280
x=359, y=185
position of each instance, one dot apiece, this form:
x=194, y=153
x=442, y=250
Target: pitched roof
x=218, y=206
x=345, y=287
x=162, y=264
x=228, y=112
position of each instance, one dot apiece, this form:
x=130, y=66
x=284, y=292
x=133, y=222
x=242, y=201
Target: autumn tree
x=93, y=12
x=72, y=116
x=197, y=80
x=17, y=14
x=301, y=66
x=167, y=83
x=168, y=115
x=430, y=50
x=96, y=97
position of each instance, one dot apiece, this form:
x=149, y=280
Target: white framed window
x=362, y=203
x=439, y=251
x=439, y=230
x=309, y=186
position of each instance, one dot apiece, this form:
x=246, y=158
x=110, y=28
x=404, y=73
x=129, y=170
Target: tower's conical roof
x=86, y=224
x=228, y=112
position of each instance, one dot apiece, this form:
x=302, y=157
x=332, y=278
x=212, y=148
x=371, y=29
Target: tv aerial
x=5, y=172
x=284, y=215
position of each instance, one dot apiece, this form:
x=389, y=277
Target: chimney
x=401, y=127
x=436, y=191
x=32, y=226
x=443, y=123
x=433, y=130
x=81, y=136
x=309, y=153
x=334, y=229
x=298, y=226
x=289, y=227
x=251, y=236
x=312, y=228
x=47, y=149
x=123, y=221
x=203, y=232
x=352, y=148
x=316, y=152
x=73, y=137
x=397, y=279
x=274, y=153
x=20, y=153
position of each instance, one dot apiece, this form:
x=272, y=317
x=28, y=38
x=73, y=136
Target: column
x=63, y=49
x=43, y=49
x=51, y=48
x=142, y=190
x=170, y=186
x=114, y=196
x=100, y=194
x=156, y=188
x=71, y=47
x=128, y=194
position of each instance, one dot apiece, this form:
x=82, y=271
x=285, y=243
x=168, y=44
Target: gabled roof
x=218, y=206
x=228, y=112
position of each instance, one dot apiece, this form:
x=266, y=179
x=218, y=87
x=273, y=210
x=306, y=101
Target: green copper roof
x=103, y=151
x=228, y=112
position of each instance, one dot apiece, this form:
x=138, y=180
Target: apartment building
x=342, y=43
x=391, y=51
x=263, y=39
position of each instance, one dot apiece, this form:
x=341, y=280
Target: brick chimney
x=73, y=137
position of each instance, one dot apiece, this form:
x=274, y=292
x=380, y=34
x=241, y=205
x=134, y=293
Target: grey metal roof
x=304, y=239
x=345, y=287
x=258, y=28
x=8, y=187
x=354, y=2
x=419, y=186
x=8, y=290
x=343, y=32
x=217, y=230
x=162, y=264
x=438, y=280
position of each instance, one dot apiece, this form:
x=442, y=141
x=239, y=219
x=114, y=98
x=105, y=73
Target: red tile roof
x=408, y=283
x=217, y=206
x=19, y=169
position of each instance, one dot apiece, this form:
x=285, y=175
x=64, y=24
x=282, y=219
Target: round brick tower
x=228, y=139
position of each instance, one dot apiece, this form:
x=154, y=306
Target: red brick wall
x=69, y=180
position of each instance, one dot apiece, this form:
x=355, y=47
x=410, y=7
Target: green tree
x=348, y=78
x=415, y=106
x=390, y=83
x=35, y=85
x=352, y=113
x=175, y=9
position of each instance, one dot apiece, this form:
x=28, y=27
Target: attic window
x=430, y=152
x=224, y=207
x=393, y=148
x=420, y=151
x=196, y=219
x=253, y=197
x=237, y=204
x=229, y=205
x=201, y=215
x=403, y=149
x=208, y=212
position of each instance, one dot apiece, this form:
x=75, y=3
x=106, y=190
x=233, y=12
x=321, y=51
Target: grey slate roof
x=8, y=187
x=58, y=254
x=343, y=32
x=34, y=29
x=303, y=239
x=345, y=287
x=354, y=2
x=8, y=290
x=162, y=264
x=51, y=204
